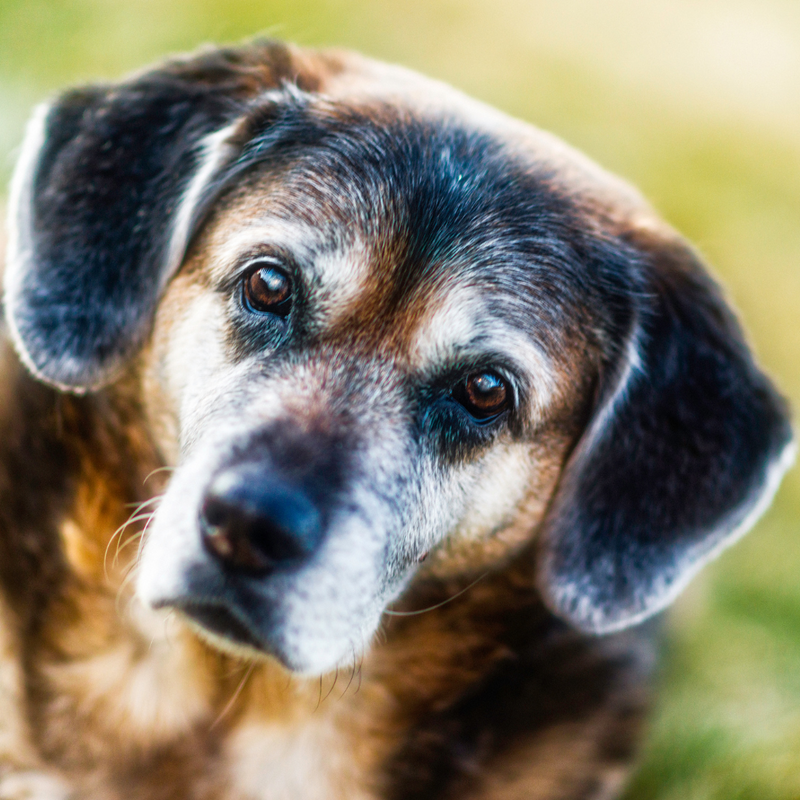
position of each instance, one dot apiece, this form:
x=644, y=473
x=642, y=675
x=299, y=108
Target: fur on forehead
x=91, y=254
x=435, y=204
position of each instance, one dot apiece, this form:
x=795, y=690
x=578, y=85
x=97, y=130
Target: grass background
x=695, y=101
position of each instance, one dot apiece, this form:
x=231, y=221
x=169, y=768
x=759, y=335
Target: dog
x=351, y=434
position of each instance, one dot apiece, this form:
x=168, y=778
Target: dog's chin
x=225, y=632
x=238, y=648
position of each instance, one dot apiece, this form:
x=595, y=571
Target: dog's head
x=371, y=320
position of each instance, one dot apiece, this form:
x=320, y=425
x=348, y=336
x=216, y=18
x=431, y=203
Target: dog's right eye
x=485, y=395
x=267, y=289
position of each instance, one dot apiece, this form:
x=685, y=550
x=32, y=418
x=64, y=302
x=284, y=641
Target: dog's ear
x=108, y=190
x=685, y=447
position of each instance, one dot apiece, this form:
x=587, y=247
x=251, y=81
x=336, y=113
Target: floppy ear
x=685, y=448
x=108, y=190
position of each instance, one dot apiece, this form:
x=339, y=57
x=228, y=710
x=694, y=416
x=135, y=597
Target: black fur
x=680, y=460
x=685, y=445
x=97, y=212
x=549, y=677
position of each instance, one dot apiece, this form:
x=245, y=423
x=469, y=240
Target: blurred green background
x=695, y=101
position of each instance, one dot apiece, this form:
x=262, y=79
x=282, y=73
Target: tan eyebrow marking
x=459, y=318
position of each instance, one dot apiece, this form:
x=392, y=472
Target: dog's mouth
x=219, y=624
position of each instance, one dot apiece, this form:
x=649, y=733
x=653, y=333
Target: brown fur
x=473, y=689
x=424, y=716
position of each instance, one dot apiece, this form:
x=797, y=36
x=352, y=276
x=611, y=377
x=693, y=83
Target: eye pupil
x=484, y=395
x=268, y=290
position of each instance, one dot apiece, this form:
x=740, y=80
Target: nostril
x=225, y=533
x=253, y=523
x=216, y=512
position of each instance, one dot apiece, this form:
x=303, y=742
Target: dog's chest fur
x=104, y=700
x=161, y=718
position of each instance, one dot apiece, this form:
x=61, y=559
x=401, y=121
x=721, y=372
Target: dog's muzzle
x=257, y=536
x=256, y=527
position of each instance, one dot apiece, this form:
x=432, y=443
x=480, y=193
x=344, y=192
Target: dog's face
x=354, y=381
x=371, y=328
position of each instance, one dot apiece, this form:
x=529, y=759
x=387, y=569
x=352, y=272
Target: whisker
x=141, y=504
x=120, y=544
x=352, y=675
x=126, y=580
x=135, y=516
x=333, y=686
x=141, y=538
x=156, y=471
x=319, y=699
x=130, y=574
x=236, y=694
x=437, y=605
x=167, y=637
x=132, y=539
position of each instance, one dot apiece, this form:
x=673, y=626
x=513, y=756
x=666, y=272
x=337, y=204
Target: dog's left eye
x=267, y=289
x=485, y=395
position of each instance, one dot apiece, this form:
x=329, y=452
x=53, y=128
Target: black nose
x=254, y=523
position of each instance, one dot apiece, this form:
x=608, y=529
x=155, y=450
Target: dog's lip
x=220, y=621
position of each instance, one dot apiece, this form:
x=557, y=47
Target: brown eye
x=484, y=394
x=268, y=290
